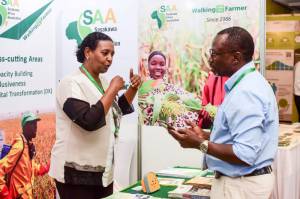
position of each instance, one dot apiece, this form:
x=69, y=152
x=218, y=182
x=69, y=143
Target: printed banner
x=280, y=74
x=119, y=21
x=281, y=83
x=27, y=57
x=282, y=42
x=27, y=76
x=83, y=17
x=183, y=31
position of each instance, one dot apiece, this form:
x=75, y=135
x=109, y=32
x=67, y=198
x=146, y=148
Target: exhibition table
x=161, y=193
x=136, y=192
x=287, y=167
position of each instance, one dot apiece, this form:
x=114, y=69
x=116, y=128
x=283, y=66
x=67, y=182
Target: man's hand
x=187, y=138
x=195, y=128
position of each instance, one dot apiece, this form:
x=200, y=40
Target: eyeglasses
x=214, y=53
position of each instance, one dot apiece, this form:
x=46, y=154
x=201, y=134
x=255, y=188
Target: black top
x=92, y=117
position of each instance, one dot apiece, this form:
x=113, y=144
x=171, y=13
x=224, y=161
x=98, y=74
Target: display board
x=27, y=75
x=27, y=57
x=183, y=31
x=282, y=55
x=119, y=21
x=38, y=44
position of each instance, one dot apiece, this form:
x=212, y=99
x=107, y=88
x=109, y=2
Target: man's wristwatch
x=203, y=147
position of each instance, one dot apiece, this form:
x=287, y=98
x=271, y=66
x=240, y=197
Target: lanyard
x=116, y=111
x=92, y=79
x=249, y=70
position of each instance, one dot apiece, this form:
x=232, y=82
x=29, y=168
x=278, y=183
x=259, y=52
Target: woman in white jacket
x=87, y=122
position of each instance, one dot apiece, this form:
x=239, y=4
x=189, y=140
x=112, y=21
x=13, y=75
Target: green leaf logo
x=3, y=15
x=159, y=17
x=72, y=32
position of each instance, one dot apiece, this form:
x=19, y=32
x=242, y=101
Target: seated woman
x=161, y=102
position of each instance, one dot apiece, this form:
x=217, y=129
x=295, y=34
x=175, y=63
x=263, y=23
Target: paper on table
x=181, y=172
x=202, y=182
x=170, y=181
x=179, y=191
x=121, y=195
x=297, y=128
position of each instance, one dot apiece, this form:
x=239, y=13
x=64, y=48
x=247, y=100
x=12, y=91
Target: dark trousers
x=69, y=191
x=297, y=102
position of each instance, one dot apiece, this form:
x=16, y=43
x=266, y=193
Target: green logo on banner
x=73, y=33
x=89, y=21
x=18, y=30
x=159, y=17
x=3, y=15
x=165, y=14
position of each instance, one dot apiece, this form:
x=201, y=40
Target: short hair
x=153, y=53
x=239, y=39
x=90, y=41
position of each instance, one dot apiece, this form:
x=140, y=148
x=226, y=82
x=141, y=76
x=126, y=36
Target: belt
x=257, y=172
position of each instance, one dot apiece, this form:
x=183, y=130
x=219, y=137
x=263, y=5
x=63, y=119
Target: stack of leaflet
x=188, y=192
x=286, y=139
x=170, y=181
x=179, y=191
x=296, y=127
x=129, y=196
x=201, y=182
x=197, y=193
x=181, y=172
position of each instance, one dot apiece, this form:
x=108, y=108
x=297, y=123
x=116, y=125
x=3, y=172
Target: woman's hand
x=135, y=80
x=117, y=83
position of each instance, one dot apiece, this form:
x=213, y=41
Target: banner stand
x=139, y=151
x=262, y=36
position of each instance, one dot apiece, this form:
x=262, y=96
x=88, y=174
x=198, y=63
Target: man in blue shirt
x=243, y=141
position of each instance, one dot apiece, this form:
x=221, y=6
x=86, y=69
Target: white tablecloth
x=287, y=168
